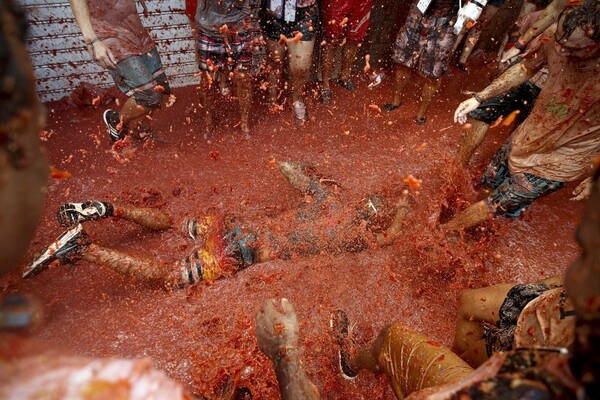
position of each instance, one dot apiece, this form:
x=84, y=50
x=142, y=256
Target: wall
x=60, y=59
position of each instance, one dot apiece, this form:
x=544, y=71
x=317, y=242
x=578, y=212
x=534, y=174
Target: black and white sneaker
x=112, y=120
x=71, y=214
x=68, y=248
x=340, y=326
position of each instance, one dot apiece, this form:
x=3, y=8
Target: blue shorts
x=138, y=77
x=513, y=193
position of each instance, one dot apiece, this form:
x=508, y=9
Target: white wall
x=60, y=60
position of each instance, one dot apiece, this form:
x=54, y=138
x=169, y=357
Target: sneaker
x=71, y=214
x=391, y=107
x=112, y=119
x=68, y=247
x=348, y=85
x=340, y=325
x=300, y=113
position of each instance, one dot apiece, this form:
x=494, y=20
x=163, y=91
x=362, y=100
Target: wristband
x=91, y=42
x=478, y=98
x=520, y=44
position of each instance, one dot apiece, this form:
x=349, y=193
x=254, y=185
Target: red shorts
x=358, y=13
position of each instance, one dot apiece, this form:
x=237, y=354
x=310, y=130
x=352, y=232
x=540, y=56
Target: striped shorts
x=513, y=193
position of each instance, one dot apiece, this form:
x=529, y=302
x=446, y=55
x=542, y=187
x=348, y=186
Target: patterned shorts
x=307, y=23
x=240, y=52
x=513, y=193
x=425, y=44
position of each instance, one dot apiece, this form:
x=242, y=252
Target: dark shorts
x=358, y=13
x=496, y=3
x=425, y=44
x=521, y=98
x=513, y=193
x=139, y=76
x=241, y=52
x=307, y=23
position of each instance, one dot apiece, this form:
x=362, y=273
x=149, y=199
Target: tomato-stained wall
x=60, y=59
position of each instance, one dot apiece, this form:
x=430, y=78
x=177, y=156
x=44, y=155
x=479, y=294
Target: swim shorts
x=521, y=98
x=513, y=193
x=233, y=52
x=357, y=12
x=307, y=22
x=534, y=314
x=138, y=77
x=425, y=44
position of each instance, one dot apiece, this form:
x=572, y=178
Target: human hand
x=460, y=115
x=275, y=330
x=103, y=55
x=583, y=190
x=509, y=54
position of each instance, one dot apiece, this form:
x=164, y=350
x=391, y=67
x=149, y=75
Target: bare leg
x=411, y=360
x=349, y=55
x=473, y=36
x=146, y=217
x=473, y=215
x=140, y=268
x=475, y=307
x=327, y=52
x=207, y=98
x=402, y=76
x=471, y=139
x=276, y=52
x=243, y=82
x=402, y=211
x=197, y=267
x=132, y=111
x=300, y=58
x=430, y=88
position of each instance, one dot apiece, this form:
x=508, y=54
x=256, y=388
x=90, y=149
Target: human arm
x=277, y=336
x=99, y=51
x=511, y=78
x=547, y=18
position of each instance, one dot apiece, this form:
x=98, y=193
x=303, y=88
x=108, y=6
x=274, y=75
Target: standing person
x=472, y=38
x=424, y=45
x=518, y=101
x=546, y=18
x=560, y=139
x=227, y=39
x=115, y=38
x=345, y=24
x=290, y=26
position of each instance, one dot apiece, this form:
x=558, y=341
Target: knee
x=149, y=98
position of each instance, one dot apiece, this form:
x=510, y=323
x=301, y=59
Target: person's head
x=582, y=281
x=23, y=166
x=578, y=30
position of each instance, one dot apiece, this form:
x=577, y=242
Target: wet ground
x=202, y=334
